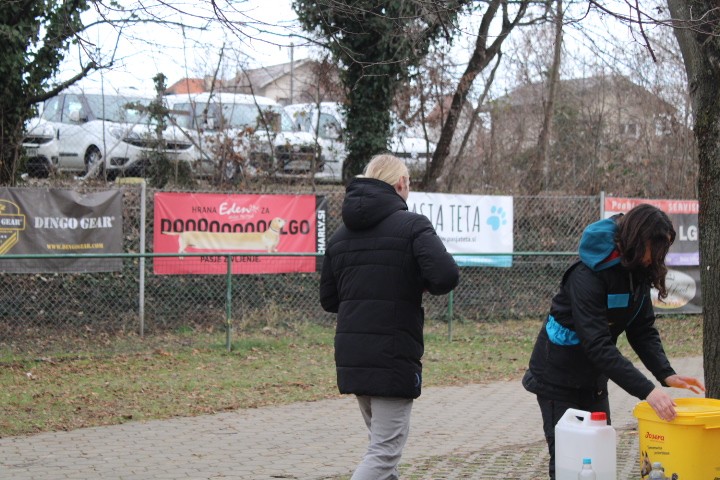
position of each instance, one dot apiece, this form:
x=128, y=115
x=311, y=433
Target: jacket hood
x=369, y=201
x=597, y=243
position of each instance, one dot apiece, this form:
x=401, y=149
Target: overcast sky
x=260, y=36
x=140, y=52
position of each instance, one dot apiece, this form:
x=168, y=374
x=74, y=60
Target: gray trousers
x=388, y=423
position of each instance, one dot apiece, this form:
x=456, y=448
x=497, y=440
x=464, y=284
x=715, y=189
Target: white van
x=243, y=134
x=326, y=122
x=94, y=131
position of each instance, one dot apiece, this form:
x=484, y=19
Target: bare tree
x=472, y=131
x=696, y=25
x=697, y=28
x=480, y=58
x=377, y=43
x=419, y=103
x=537, y=175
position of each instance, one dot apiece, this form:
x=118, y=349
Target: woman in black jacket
x=376, y=267
x=604, y=294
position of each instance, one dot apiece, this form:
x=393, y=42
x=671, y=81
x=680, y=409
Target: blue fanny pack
x=560, y=335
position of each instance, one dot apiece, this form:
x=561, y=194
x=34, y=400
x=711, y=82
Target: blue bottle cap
x=586, y=461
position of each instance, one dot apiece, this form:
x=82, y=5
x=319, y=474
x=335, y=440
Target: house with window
x=605, y=130
x=612, y=107
x=300, y=81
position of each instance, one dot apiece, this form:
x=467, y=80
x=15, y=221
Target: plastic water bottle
x=580, y=434
x=587, y=472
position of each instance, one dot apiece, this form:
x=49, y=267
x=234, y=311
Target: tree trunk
x=536, y=178
x=478, y=61
x=453, y=174
x=368, y=121
x=700, y=48
x=9, y=158
x=481, y=57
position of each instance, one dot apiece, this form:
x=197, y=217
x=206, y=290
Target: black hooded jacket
x=599, y=299
x=375, y=270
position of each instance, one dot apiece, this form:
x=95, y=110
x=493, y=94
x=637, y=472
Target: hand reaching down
x=663, y=405
x=680, y=381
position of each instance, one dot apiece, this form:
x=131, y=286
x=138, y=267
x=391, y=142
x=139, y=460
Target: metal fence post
x=141, y=262
x=451, y=300
x=228, y=305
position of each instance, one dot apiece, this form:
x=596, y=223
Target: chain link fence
x=40, y=312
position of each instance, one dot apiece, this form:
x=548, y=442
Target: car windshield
x=303, y=122
x=116, y=108
x=182, y=115
x=232, y=115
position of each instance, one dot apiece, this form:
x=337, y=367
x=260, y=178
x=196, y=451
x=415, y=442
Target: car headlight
x=47, y=130
x=117, y=132
x=40, y=134
x=129, y=136
x=133, y=136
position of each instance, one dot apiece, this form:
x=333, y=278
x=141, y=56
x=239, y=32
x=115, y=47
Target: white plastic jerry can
x=579, y=435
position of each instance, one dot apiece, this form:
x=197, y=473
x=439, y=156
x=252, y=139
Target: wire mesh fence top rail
x=47, y=305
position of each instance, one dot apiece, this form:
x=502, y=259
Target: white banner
x=470, y=224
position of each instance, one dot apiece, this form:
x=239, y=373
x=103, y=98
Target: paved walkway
x=490, y=431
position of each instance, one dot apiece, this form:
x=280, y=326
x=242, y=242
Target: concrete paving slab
x=489, y=431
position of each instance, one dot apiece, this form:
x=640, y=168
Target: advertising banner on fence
x=683, y=259
x=226, y=223
x=56, y=221
x=470, y=224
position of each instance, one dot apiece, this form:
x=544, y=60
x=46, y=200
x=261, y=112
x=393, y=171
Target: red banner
x=670, y=207
x=216, y=224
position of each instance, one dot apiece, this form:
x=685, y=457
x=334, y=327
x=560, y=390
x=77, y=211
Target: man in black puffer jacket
x=376, y=268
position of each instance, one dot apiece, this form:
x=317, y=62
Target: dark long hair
x=639, y=227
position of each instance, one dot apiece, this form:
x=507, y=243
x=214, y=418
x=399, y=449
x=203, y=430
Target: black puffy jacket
x=375, y=270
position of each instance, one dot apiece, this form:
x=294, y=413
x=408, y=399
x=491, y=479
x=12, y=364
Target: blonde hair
x=387, y=168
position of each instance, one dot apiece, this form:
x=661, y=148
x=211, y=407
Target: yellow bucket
x=688, y=447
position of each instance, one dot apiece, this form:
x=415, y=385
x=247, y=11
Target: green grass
x=189, y=374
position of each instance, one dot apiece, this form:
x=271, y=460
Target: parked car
x=93, y=131
x=236, y=134
x=326, y=123
x=40, y=147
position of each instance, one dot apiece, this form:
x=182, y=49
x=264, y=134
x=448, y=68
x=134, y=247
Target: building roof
x=187, y=85
x=263, y=76
x=525, y=95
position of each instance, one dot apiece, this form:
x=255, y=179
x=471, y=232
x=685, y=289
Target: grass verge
x=193, y=373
